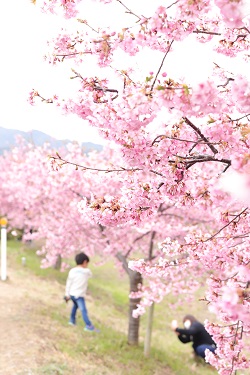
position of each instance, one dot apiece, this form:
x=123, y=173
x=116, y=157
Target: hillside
x=38, y=138
x=37, y=340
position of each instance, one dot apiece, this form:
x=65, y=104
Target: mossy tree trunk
x=135, y=279
x=58, y=262
x=147, y=341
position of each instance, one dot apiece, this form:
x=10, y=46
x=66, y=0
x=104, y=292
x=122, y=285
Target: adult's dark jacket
x=196, y=333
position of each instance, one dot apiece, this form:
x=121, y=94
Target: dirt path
x=24, y=343
x=33, y=330
x=27, y=333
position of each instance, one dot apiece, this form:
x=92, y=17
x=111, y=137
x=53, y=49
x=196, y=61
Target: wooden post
x=3, y=223
x=147, y=342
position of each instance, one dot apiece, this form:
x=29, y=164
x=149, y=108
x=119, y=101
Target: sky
x=24, y=33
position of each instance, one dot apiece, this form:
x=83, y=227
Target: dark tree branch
x=230, y=222
x=125, y=75
x=227, y=82
x=240, y=118
x=199, y=141
x=189, y=161
x=219, y=67
x=205, y=32
x=73, y=54
x=155, y=172
x=151, y=246
x=194, y=145
x=128, y=10
x=123, y=260
x=78, y=194
x=142, y=236
x=96, y=87
x=243, y=36
x=172, y=4
x=197, y=130
x=49, y=101
x=86, y=23
x=83, y=168
x=204, y=159
x=162, y=208
x=169, y=47
x=162, y=136
x=244, y=28
x=135, y=240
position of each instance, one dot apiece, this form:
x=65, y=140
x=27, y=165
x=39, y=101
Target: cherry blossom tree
x=47, y=204
x=178, y=137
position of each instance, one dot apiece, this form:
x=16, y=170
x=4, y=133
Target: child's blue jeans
x=79, y=303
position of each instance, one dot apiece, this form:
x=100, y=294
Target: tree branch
x=205, y=32
x=124, y=262
x=135, y=240
x=172, y=41
x=140, y=237
x=155, y=172
x=86, y=23
x=96, y=87
x=177, y=1
x=82, y=167
x=128, y=10
x=199, y=141
x=189, y=161
x=73, y=54
x=197, y=130
x=151, y=246
x=227, y=82
x=240, y=118
x=230, y=222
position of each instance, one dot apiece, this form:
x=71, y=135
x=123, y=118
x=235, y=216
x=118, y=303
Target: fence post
x=3, y=223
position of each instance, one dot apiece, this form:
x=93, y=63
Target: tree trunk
x=147, y=342
x=58, y=262
x=135, y=279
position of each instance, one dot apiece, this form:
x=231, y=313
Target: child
x=76, y=287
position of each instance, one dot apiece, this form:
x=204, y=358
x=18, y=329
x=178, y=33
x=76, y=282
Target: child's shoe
x=71, y=323
x=91, y=329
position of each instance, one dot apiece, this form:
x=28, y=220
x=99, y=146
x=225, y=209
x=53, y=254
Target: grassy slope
x=107, y=305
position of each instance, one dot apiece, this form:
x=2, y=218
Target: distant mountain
x=8, y=140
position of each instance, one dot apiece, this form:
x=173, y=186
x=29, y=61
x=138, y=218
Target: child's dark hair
x=80, y=258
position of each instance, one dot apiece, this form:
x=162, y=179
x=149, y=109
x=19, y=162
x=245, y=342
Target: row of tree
x=44, y=204
x=47, y=203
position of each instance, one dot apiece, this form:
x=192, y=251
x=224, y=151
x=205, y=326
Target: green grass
x=17, y=250
x=108, y=308
x=53, y=369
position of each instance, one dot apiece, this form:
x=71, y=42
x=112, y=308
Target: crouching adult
x=194, y=332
